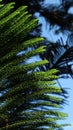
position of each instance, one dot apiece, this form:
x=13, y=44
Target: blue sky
x=66, y=83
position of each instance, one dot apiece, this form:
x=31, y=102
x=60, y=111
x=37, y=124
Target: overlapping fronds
x=29, y=100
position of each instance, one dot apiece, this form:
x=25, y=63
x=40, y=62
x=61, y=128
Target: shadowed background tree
x=59, y=17
x=29, y=99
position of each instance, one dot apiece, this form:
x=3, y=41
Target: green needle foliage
x=29, y=99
